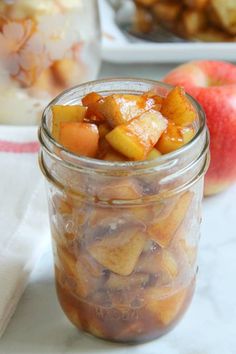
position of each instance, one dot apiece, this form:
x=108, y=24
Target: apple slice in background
x=213, y=85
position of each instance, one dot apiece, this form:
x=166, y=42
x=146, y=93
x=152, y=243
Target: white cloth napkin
x=24, y=229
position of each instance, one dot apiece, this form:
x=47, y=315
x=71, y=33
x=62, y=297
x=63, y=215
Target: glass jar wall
x=125, y=234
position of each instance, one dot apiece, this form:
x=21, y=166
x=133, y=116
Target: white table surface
x=209, y=327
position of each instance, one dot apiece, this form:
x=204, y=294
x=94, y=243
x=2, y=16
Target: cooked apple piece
x=159, y=261
x=61, y=205
x=122, y=189
x=144, y=214
x=225, y=10
x=120, y=109
x=143, y=21
x=118, y=282
x=119, y=252
x=65, y=114
x=168, y=264
x=174, y=137
x=178, y=108
x=196, y=4
x=164, y=304
x=67, y=72
x=86, y=275
x=94, y=112
x=91, y=98
x=158, y=100
x=67, y=261
x=80, y=138
x=94, y=102
x=103, y=129
x=166, y=11
x=146, y=3
x=193, y=21
x=102, y=214
x=210, y=34
x=189, y=250
x=164, y=230
x=153, y=154
x=137, y=138
x=112, y=155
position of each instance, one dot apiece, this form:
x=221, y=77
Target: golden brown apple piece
x=174, y=137
x=121, y=108
x=164, y=303
x=164, y=229
x=135, y=280
x=177, y=107
x=153, y=154
x=136, y=139
x=65, y=114
x=119, y=251
x=120, y=189
x=79, y=138
x=85, y=272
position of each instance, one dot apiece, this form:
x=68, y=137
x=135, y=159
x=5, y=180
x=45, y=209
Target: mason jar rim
x=113, y=166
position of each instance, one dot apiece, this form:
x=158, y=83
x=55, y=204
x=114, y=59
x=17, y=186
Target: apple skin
x=213, y=85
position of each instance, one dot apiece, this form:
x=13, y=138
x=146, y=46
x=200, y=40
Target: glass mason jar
x=45, y=47
x=125, y=234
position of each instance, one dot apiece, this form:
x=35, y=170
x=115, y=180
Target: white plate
x=118, y=48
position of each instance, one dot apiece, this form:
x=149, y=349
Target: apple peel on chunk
x=137, y=138
x=164, y=230
x=119, y=253
x=80, y=138
x=177, y=107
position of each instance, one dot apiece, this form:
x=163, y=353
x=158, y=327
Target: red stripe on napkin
x=9, y=146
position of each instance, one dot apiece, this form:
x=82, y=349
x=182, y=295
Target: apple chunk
x=65, y=114
x=120, y=252
x=174, y=137
x=80, y=138
x=164, y=230
x=137, y=138
x=165, y=304
x=119, y=109
x=177, y=107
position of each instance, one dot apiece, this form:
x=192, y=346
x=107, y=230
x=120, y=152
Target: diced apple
x=119, y=252
x=174, y=137
x=164, y=229
x=86, y=275
x=61, y=205
x=65, y=114
x=164, y=304
x=168, y=264
x=120, y=109
x=159, y=261
x=118, y=282
x=121, y=189
x=153, y=154
x=189, y=250
x=91, y=98
x=103, y=129
x=137, y=138
x=177, y=107
x=67, y=72
x=79, y=138
x=112, y=155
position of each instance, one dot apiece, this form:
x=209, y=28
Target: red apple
x=213, y=85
